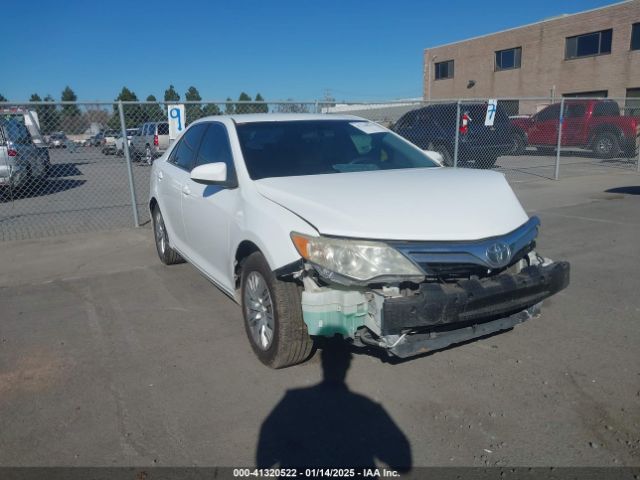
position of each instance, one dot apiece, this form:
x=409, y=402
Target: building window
x=508, y=59
x=444, y=70
x=589, y=44
x=635, y=36
x=632, y=102
x=510, y=107
x=592, y=94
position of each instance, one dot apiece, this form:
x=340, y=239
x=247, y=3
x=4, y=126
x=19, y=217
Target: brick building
x=591, y=53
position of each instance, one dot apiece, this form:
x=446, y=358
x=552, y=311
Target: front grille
x=454, y=271
x=457, y=260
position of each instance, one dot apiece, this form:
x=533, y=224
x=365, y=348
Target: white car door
x=173, y=177
x=208, y=210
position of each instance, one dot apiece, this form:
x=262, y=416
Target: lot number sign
x=176, y=120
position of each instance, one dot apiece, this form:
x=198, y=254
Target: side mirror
x=212, y=174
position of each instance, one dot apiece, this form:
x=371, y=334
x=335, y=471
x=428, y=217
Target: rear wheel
x=605, y=145
x=167, y=255
x=273, y=315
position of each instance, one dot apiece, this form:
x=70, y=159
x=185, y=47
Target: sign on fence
x=176, y=120
x=492, y=106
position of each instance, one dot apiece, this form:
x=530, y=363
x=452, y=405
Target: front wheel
x=273, y=315
x=167, y=255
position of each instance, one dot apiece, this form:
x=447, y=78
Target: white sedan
x=323, y=225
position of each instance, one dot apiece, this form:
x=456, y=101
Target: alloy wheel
x=161, y=234
x=259, y=312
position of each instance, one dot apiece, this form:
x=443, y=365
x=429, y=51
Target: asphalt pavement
x=108, y=357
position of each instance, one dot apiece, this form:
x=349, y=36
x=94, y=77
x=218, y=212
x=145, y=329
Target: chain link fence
x=70, y=167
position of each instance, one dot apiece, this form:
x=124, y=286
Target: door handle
x=186, y=190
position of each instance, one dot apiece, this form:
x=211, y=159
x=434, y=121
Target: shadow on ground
x=39, y=189
x=631, y=190
x=327, y=425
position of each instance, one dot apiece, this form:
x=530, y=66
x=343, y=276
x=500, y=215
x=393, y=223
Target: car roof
x=284, y=117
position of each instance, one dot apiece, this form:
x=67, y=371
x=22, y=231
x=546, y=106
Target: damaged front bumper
x=436, y=315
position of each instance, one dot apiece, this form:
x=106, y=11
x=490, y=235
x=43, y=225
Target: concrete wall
x=543, y=64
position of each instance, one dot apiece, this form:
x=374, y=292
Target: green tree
x=211, y=109
x=133, y=113
x=153, y=111
x=229, y=108
x=260, y=107
x=170, y=95
x=3, y=98
x=193, y=111
x=70, y=118
x=244, y=107
x=48, y=116
x=35, y=98
x=71, y=110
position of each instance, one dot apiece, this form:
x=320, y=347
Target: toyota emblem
x=499, y=254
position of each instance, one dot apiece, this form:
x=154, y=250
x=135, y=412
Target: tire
x=447, y=158
x=280, y=313
x=167, y=255
x=606, y=145
x=519, y=144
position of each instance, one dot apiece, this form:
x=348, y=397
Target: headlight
x=361, y=261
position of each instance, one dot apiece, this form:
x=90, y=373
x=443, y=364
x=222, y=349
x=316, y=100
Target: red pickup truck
x=592, y=124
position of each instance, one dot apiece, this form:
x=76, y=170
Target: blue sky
x=283, y=49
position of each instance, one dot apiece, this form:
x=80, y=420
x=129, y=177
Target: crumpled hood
x=413, y=204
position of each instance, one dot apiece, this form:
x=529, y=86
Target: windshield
x=16, y=131
x=315, y=147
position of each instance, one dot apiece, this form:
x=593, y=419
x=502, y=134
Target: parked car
x=280, y=212
x=152, y=141
x=109, y=142
x=29, y=118
x=120, y=143
x=595, y=125
x=58, y=140
x=20, y=162
x=96, y=140
x=434, y=128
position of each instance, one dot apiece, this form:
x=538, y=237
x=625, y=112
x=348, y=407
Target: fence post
x=125, y=147
x=560, y=122
x=317, y=107
x=455, y=147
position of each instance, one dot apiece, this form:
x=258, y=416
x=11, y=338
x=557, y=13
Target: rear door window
x=575, y=110
x=16, y=131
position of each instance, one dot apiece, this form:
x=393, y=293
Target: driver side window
x=183, y=155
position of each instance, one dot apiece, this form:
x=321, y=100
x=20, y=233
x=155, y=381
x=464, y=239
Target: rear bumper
x=473, y=301
x=14, y=175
